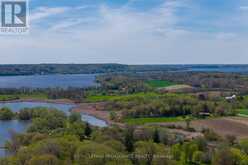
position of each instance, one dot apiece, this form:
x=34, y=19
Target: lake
x=49, y=81
x=88, y=80
x=19, y=126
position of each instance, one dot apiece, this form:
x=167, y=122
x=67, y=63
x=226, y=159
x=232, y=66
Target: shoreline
x=58, y=101
x=92, y=109
x=96, y=110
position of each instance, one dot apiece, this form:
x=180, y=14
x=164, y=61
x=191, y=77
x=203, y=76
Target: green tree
x=47, y=120
x=44, y=160
x=224, y=156
x=150, y=153
x=188, y=150
x=88, y=130
x=91, y=153
x=156, y=137
x=188, y=122
x=116, y=145
x=77, y=128
x=75, y=117
x=176, y=151
x=198, y=157
x=7, y=161
x=6, y=114
x=239, y=156
x=129, y=139
x=243, y=145
x=25, y=114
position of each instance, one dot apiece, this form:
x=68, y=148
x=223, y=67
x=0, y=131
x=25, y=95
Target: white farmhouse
x=231, y=97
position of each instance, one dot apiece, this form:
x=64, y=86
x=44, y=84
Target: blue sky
x=132, y=32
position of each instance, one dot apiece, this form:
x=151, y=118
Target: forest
x=55, y=139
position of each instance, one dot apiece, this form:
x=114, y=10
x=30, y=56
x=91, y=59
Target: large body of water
x=18, y=126
x=48, y=81
x=88, y=80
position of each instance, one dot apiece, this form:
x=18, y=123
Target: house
x=205, y=114
x=231, y=97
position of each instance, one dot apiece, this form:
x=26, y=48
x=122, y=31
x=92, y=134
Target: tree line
x=174, y=105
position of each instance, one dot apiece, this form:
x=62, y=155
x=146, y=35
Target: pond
x=19, y=126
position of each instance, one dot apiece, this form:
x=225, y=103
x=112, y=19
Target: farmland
x=243, y=112
x=141, y=121
x=159, y=83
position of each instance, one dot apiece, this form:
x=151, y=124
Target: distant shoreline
x=58, y=101
x=50, y=69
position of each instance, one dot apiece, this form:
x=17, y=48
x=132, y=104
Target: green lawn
x=140, y=121
x=159, y=83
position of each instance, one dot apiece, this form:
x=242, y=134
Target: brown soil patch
x=236, y=126
x=176, y=88
x=225, y=126
x=186, y=134
x=97, y=110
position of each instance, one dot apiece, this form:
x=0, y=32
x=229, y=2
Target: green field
x=34, y=96
x=159, y=83
x=8, y=97
x=141, y=121
x=243, y=112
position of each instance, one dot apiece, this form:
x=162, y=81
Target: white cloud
x=226, y=36
x=243, y=8
x=123, y=35
x=44, y=12
x=65, y=24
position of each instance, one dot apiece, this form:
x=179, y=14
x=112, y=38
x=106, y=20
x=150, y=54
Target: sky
x=132, y=32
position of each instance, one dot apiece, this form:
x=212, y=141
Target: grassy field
x=34, y=96
x=8, y=97
x=159, y=83
x=97, y=98
x=140, y=121
x=243, y=112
